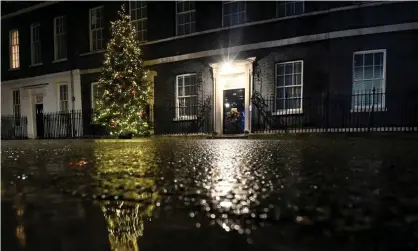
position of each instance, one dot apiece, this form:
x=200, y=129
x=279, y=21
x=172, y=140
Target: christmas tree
x=123, y=82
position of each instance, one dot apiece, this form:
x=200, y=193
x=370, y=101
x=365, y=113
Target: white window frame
x=35, y=44
x=144, y=32
x=97, y=29
x=223, y=16
x=288, y=111
x=93, y=84
x=178, y=117
x=382, y=105
x=287, y=3
x=14, y=55
x=56, y=40
x=191, y=24
x=63, y=100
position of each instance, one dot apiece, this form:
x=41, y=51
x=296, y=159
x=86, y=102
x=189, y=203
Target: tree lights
x=123, y=82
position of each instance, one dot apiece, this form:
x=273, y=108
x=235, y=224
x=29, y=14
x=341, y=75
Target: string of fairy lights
x=123, y=82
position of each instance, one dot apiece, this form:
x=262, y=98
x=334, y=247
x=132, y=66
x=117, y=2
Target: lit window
x=289, y=87
x=96, y=28
x=369, y=78
x=14, y=49
x=63, y=91
x=35, y=44
x=234, y=12
x=185, y=17
x=60, y=38
x=94, y=94
x=138, y=10
x=186, y=96
x=290, y=8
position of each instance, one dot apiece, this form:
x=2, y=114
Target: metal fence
x=14, y=127
x=190, y=116
x=68, y=124
x=374, y=110
x=78, y=123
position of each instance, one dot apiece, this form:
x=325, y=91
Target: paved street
x=194, y=194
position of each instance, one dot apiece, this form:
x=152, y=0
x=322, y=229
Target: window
x=35, y=44
x=289, y=87
x=14, y=49
x=185, y=17
x=369, y=78
x=234, y=12
x=94, y=94
x=96, y=28
x=16, y=103
x=16, y=107
x=63, y=92
x=138, y=11
x=60, y=38
x=186, y=96
x=290, y=8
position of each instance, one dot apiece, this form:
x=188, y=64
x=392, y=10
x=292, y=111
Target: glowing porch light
x=227, y=66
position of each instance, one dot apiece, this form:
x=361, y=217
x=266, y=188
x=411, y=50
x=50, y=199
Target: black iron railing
x=64, y=124
x=188, y=116
x=79, y=124
x=14, y=127
x=373, y=110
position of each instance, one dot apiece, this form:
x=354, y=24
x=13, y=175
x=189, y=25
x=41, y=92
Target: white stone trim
x=278, y=43
x=90, y=71
x=42, y=77
x=287, y=41
x=45, y=85
x=238, y=67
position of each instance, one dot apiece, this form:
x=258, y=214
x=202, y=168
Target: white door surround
x=231, y=75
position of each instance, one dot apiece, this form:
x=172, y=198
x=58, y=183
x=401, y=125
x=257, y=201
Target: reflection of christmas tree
x=123, y=82
x=125, y=223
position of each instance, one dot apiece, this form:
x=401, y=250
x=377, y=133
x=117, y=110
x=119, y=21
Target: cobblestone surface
x=165, y=194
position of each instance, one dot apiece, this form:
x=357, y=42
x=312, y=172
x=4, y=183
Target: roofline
x=29, y=9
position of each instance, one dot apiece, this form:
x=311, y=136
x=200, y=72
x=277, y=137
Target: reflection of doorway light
x=227, y=105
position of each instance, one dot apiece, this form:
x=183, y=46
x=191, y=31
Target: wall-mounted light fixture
x=227, y=66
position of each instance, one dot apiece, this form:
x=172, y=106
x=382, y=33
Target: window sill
x=34, y=65
x=287, y=112
x=188, y=118
x=14, y=69
x=368, y=109
x=59, y=60
x=92, y=52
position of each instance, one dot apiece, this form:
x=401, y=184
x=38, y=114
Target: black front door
x=39, y=120
x=234, y=111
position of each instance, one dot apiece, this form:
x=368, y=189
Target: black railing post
x=72, y=119
x=327, y=110
x=371, y=111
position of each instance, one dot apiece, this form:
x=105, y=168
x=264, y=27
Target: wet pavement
x=192, y=194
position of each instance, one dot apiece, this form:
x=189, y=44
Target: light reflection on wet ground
x=167, y=194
